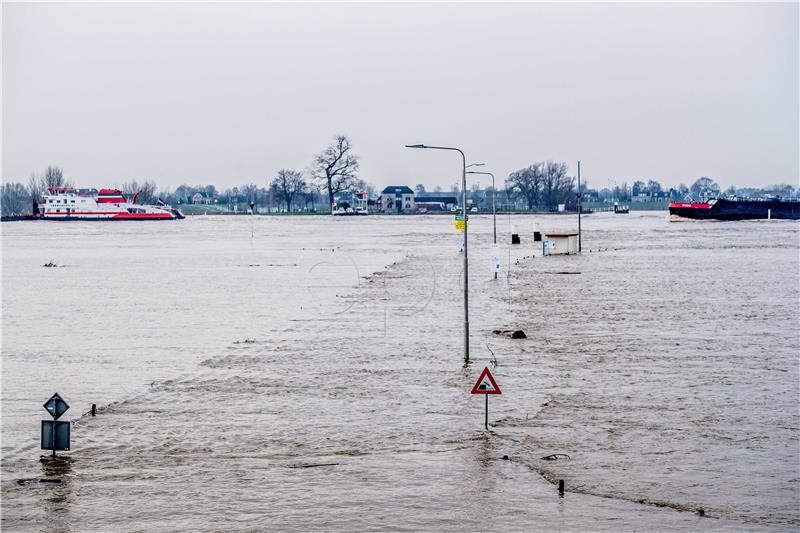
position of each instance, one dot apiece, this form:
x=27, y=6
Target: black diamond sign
x=56, y=406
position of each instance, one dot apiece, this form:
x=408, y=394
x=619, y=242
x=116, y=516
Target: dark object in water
x=555, y=456
x=512, y=333
x=17, y=218
x=34, y=480
x=621, y=210
x=701, y=512
x=561, y=487
x=505, y=458
x=313, y=465
x=722, y=209
x=50, y=264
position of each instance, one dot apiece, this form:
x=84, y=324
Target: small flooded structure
x=560, y=244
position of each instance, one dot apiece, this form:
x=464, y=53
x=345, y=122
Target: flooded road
x=306, y=373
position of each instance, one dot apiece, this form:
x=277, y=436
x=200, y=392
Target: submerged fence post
x=561, y=487
x=94, y=409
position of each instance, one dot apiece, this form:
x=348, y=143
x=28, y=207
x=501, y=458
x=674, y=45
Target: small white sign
x=496, y=265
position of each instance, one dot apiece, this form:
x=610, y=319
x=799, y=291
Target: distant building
x=650, y=197
x=436, y=202
x=397, y=199
x=201, y=198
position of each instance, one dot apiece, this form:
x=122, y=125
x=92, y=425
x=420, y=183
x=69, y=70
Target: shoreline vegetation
x=332, y=183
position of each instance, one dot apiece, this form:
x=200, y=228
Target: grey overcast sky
x=224, y=94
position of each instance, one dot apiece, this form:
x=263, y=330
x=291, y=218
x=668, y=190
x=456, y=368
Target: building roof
x=395, y=189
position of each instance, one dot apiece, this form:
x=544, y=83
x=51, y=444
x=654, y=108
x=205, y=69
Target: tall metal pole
x=466, y=259
x=579, y=207
x=494, y=212
x=466, y=262
x=494, y=208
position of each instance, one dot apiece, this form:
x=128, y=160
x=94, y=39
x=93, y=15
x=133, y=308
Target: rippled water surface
x=307, y=374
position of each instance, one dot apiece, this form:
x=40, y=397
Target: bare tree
x=654, y=187
x=14, y=199
x=250, y=193
x=363, y=185
x=287, y=184
x=528, y=182
x=703, y=186
x=336, y=167
x=419, y=189
x=53, y=177
x=35, y=186
x=144, y=192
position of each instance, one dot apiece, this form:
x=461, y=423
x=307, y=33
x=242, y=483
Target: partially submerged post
x=486, y=385
x=55, y=434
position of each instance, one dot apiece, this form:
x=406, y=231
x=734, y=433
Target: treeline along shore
x=332, y=181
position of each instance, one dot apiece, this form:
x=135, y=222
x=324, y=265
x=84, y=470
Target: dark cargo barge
x=722, y=209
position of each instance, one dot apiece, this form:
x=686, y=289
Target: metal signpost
x=55, y=434
x=486, y=385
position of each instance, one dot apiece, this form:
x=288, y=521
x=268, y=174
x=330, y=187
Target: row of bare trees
x=17, y=199
x=543, y=184
x=334, y=170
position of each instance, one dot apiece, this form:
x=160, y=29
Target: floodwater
x=306, y=373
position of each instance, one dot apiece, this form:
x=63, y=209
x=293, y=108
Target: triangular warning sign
x=486, y=384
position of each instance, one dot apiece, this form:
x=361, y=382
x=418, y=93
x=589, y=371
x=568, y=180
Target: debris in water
x=313, y=465
x=512, y=333
x=246, y=341
x=50, y=264
x=555, y=456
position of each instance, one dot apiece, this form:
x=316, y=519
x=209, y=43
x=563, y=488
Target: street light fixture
x=494, y=209
x=466, y=261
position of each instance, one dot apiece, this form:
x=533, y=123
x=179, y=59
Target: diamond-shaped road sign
x=56, y=406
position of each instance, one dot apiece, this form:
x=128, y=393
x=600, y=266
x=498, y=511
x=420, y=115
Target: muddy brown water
x=256, y=373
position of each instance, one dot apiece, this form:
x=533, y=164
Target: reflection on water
x=309, y=372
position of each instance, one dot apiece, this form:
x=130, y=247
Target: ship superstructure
x=67, y=203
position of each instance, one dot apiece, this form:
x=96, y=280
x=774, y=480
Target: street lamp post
x=494, y=208
x=466, y=261
x=579, y=207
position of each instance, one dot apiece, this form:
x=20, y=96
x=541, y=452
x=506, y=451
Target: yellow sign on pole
x=460, y=222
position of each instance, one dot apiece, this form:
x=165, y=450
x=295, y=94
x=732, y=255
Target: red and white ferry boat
x=67, y=203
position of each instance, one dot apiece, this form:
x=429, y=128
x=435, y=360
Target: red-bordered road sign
x=486, y=384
